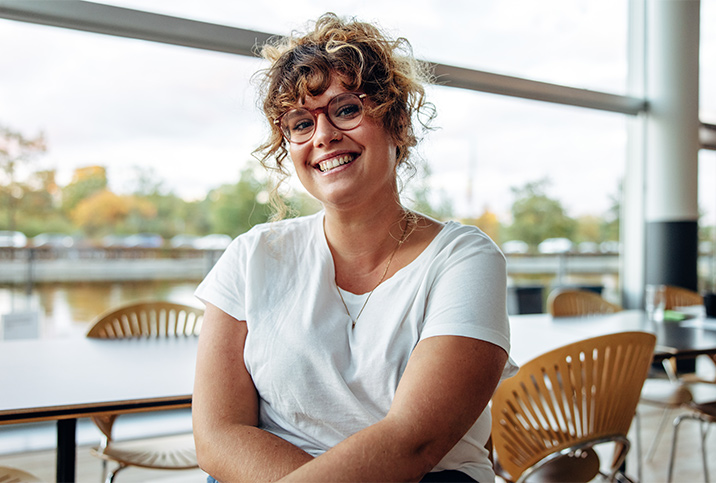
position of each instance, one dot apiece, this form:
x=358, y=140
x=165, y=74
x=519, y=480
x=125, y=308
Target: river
x=67, y=309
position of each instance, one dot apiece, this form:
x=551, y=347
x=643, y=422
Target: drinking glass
x=655, y=302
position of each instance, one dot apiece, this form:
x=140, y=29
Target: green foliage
x=16, y=150
x=37, y=204
x=610, y=224
x=85, y=183
x=235, y=208
x=536, y=216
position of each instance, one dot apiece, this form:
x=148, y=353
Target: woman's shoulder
x=289, y=227
x=278, y=239
x=455, y=233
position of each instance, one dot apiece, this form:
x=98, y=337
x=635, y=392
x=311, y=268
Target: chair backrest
x=148, y=319
x=15, y=475
x=681, y=297
x=582, y=392
x=574, y=303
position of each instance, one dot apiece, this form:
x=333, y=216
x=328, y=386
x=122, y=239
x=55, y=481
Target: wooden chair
x=676, y=392
x=146, y=319
x=15, y=475
x=547, y=419
x=705, y=413
x=681, y=297
x=573, y=303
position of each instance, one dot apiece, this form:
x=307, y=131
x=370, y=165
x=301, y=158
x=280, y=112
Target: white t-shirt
x=320, y=381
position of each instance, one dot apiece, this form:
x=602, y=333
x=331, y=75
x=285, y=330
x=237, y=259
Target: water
x=66, y=310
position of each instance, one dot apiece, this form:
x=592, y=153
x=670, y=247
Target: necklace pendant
x=353, y=324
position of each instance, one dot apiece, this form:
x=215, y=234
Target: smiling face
x=346, y=169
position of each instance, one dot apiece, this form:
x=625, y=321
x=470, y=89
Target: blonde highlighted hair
x=365, y=60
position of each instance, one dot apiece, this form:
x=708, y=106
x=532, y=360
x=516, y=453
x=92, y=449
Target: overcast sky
x=191, y=115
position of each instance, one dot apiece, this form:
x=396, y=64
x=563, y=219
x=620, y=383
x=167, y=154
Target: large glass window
x=188, y=114
x=580, y=43
x=487, y=144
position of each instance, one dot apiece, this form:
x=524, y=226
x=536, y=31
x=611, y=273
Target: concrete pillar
x=671, y=142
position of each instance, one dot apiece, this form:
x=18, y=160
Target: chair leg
x=677, y=422
x=659, y=433
x=704, y=434
x=112, y=474
x=637, y=421
x=704, y=426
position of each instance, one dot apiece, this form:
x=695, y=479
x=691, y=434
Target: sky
x=191, y=116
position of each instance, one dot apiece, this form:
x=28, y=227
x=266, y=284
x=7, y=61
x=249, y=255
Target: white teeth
x=335, y=162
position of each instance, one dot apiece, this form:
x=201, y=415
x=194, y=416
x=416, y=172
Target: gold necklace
x=385, y=272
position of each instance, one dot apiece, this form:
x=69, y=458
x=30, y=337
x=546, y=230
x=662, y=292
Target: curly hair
x=364, y=59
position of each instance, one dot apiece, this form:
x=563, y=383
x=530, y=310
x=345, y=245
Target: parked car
x=52, y=240
x=515, y=246
x=555, y=245
x=609, y=247
x=14, y=239
x=184, y=241
x=215, y=241
x=144, y=240
x=588, y=247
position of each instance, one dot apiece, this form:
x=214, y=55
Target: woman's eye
x=301, y=125
x=347, y=111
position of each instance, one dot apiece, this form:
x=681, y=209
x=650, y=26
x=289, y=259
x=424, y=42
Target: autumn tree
x=173, y=214
x=85, y=182
x=16, y=153
x=38, y=210
x=104, y=211
x=536, y=216
x=487, y=222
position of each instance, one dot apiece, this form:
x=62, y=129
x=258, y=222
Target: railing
x=46, y=265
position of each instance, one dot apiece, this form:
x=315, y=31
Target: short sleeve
x=468, y=296
x=225, y=284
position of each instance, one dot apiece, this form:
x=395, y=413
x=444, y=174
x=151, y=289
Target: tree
x=610, y=228
x=536, y=216
x=487, y=222
x=85, y=182
x=104, y=211
x=16, y=150
x=234, y=209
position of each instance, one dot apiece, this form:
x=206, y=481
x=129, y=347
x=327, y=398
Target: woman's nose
x=325, y=131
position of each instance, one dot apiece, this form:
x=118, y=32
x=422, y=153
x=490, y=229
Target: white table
x=64, y=380
x=535, y=334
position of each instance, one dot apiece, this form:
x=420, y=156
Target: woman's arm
x=447, y=383
x=229, y=446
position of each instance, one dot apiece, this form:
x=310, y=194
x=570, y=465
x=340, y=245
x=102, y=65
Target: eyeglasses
x=344, y=112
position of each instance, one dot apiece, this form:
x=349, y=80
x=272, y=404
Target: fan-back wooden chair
x=547, y=418
x=146, y=319
x=15, y=475
x=681, y=297
x=573, y=302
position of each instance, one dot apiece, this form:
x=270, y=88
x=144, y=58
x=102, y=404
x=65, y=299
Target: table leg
x=66, y=450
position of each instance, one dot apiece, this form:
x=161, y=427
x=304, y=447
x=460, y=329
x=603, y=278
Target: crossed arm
x=445, y=387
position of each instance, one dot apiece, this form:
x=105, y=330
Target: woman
x=362, y=343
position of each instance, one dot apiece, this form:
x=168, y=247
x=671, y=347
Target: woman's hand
x=447, y=383
x=229, y=446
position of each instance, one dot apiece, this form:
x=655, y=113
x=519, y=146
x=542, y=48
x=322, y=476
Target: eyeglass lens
x=345, y=112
